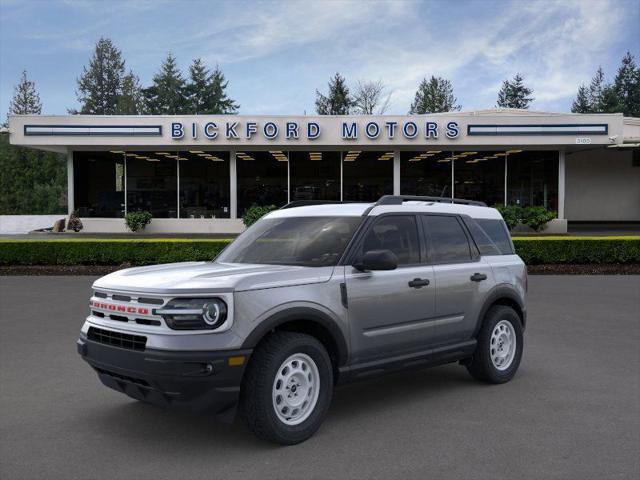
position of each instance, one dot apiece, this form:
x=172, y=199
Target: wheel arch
x=304, y=320
x=503, y=295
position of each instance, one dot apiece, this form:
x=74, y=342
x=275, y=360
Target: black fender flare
x=500, y=292
x=298, y=313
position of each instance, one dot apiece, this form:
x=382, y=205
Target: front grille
x=117, y=339
x=117, y=376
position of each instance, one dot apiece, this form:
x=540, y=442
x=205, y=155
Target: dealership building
x=201, y=173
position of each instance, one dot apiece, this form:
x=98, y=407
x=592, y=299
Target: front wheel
x=499, y=348
x=287, y=388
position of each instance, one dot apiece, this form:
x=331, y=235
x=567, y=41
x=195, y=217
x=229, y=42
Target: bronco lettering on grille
x=118, y=308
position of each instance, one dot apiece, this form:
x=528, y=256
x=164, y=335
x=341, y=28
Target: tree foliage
x=433, y=96
x=167, y=95
x=100, y=85
x=206, y=91
x=623, y=95
x=514, y=93
x=131, y=100
x=338, y=100
x=25, y=99
x=371, y=98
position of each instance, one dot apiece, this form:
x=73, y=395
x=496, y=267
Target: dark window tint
x=305, y=241
x=498, y=233
x=481, y=239
x=398, y=233
x=449, y=243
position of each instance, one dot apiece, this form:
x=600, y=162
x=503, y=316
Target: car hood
x=201, y=277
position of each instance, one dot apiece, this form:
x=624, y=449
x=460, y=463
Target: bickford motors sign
x=294, y=130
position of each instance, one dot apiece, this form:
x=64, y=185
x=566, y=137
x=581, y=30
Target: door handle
x=478, y=277
x=418, y=283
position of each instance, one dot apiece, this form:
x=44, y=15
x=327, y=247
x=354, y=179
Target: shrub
x=137, y=220
x=255, y=213
x=537, y=217
x=74, y=223
x=534, y=217
x=73, y=251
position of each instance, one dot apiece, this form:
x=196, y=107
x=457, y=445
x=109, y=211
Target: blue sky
x=275, y=54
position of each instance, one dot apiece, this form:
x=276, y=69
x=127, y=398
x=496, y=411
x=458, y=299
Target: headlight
x=194, y=313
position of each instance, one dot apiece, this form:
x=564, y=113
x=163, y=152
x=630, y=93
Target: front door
x=389, y=311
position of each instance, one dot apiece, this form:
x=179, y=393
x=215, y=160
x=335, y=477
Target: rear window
x=497, y=231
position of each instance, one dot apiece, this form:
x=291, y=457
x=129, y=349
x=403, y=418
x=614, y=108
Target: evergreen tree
x=218, y=101
x=514, y=94
x=627, y=86
x=206, y=91
x=25, y=99
x=167, y=95
x=581, y=104
x=338, y=101
x=130, y=101
x=596, y=91
x=433, y=96
x=100, y=85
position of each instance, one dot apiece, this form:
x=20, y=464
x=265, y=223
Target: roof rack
x=400, y=199
x=306, y=203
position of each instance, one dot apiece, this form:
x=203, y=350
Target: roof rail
x=306, y=203
x=400, y=199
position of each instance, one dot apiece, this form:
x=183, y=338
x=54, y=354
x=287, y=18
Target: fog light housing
x=194, y=313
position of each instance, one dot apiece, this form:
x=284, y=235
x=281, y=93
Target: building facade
x=201, y=173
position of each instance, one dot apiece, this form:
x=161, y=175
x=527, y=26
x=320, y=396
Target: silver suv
x=309, y=297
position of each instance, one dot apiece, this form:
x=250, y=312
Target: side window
x=449, y=243
x=498, y=232
x=398, y=233
x=484, y=243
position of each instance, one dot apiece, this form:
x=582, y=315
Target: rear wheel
x=287, y=388
x=499, y=349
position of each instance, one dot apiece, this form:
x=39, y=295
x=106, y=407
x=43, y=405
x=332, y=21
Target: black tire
x=481, y=366
x=256, y=403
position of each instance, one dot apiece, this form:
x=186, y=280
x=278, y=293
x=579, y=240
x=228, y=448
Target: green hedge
x=578, y=250
x=533, y=250
x=107, y=252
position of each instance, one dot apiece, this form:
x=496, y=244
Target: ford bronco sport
x=309, y=297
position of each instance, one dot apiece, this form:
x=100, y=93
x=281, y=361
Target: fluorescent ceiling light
x=514, y=151
x=196, y=151
x=116, y=151
x=162, y=153
x=434, y=151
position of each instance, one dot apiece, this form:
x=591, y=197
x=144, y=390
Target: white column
x=341, y=175
x=233, y=185
x=396, y=172
x=70, y=189
x=177, y=188
x=561, y=177
x=506, y=172
x=453, y=176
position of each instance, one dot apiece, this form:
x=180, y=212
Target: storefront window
x=426, y=172
x=366, y=176
x=152, y=183
x=532, y=179
x=99, y=184
x=314, y=175
x=479, y=175
x=262, y=179
x=204, y=184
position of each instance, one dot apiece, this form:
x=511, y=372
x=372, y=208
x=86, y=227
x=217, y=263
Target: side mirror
x=377, y=260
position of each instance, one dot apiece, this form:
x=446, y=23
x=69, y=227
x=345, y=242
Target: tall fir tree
x=167, y=94
x=130, y=101
x=31, y=181
x=206, y=92
x=25, y=99
x=338, y=101
x=433, y=96
x=596, y=91
x=514, y=94
x=100, y=85
x=627, y=86
x=581, y=104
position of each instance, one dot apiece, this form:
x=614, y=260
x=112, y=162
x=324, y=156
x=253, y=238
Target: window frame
x=352, y=251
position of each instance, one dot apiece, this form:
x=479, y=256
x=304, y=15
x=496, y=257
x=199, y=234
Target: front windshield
x=304, y=241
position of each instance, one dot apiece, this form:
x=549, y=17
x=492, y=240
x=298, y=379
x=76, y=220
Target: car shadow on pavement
x=148, y=426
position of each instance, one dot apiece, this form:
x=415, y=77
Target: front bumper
x=193, y=381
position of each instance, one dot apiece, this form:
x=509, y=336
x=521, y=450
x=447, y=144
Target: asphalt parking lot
x=573, y=410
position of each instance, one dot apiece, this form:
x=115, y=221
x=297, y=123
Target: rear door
x=389, y=310
x=462, y=278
